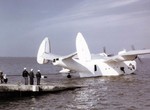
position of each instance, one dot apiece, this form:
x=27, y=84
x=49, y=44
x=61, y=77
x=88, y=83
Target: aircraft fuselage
x=98, y=67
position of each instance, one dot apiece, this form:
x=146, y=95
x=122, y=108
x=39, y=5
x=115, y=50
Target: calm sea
x=131, y=92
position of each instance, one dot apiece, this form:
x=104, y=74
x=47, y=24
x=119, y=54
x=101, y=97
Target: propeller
x=104, y=50
x=133, y=48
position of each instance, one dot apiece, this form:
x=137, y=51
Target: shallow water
x=131, y=92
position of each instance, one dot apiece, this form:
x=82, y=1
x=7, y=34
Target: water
x=131, y=92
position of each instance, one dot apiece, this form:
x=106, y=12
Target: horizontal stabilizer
x=69, y=56
x=49, y=56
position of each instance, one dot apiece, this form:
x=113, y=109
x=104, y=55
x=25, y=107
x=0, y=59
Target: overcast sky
x=115, y=24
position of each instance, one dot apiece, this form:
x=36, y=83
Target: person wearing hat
x=5, y=78
x=1, y=77
x=31, y=75
x=25, y=76
x=38, y=77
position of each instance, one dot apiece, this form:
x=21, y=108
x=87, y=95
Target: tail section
x=44, y=53
x=44, y=48
x=82, y=48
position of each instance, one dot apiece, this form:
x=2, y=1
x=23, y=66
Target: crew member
x=1, y=77
x=25, y=76
x=38, y=77
x=31, y=75
x=5, y=78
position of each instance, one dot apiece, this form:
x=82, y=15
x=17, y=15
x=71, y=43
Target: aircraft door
x=96, y=70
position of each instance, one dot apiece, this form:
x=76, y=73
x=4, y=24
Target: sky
x=114, y=24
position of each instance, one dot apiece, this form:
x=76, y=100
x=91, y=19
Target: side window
x=95, y=68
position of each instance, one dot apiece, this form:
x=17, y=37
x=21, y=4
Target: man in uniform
x=1, y=77
x=5, y=78
x=38, y=77
x=25, y=75
x=31, y=75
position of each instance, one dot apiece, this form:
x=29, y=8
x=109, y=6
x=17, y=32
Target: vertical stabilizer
x=82, y=48
x=44, y=48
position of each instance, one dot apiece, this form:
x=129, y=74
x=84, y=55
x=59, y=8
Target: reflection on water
x=131, y=92
x=89, y=97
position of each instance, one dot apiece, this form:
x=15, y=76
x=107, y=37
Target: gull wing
x=125, y=56
x=136, y=52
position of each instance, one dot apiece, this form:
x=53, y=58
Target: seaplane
x=90, y=65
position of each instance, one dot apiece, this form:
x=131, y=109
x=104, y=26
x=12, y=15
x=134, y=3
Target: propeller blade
x=104, y=49
x=133, y=48
x=139, y=59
